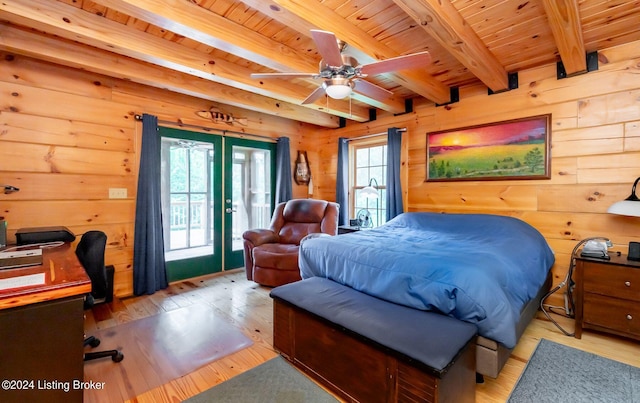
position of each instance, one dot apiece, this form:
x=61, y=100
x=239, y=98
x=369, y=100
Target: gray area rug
x=557, y=373
x=273, y=381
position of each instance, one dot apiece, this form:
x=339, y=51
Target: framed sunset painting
x=513, y=149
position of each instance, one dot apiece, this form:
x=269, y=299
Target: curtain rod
x=208, y=129
x=366, y=136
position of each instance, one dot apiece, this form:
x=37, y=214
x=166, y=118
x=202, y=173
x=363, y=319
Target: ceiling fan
x=342, y=74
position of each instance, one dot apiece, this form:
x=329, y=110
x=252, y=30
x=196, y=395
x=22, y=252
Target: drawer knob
x=629, y=317
x=627, y=283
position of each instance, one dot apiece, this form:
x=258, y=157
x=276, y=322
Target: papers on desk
x=22, y=281
x=20, y=258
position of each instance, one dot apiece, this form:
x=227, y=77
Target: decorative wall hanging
x=302, y=173
x=215, y=115
x=512, y=149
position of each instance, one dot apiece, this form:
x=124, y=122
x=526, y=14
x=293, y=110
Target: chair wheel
x=118, y=357
x=95, y=343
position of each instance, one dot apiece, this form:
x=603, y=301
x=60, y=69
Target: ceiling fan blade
x=371, y=90
x=397, y=63
x=327, y=45
x=284, y=75
x=314, y=96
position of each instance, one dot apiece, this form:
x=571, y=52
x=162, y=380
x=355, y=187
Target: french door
x=249, y=183
x=213, y=189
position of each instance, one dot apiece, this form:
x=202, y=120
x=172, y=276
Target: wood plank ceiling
x=209, y=48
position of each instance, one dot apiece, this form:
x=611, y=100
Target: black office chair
x=90, y=252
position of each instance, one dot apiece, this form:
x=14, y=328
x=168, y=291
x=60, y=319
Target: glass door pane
x=191, y=187
x=249, y=203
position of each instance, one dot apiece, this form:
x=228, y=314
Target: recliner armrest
x=260, y=236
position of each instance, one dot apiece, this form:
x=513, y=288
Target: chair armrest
x=260, y=236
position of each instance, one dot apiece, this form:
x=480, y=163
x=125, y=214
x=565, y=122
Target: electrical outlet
x=117, y=193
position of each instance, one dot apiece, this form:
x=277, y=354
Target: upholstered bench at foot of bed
x=370, y=350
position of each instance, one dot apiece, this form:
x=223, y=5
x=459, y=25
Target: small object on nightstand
x=634, y=251
x=364, y=218
x=596, y=248
x=345, y=229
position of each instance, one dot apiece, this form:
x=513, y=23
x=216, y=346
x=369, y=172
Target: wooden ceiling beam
x=75, y=24
x=282, y=15
x=443, y=22
x=324, y=18
x=75, y=55
x=192, y=21
x=564, y=21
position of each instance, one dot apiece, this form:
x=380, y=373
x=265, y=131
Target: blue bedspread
x=478, y=268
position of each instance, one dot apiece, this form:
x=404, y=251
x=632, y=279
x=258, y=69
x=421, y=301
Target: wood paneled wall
x=595, y=154
x=67, y=136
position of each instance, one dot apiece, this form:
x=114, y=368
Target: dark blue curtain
x=342, y=181
x=284, y=191
x=149, y=270
x=394, y=186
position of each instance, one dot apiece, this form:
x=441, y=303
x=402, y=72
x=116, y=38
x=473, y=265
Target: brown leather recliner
x=271, y=255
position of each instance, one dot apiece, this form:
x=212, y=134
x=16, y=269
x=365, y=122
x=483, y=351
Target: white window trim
x=353, y=145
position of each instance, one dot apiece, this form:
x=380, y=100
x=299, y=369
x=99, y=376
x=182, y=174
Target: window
x=368, y=169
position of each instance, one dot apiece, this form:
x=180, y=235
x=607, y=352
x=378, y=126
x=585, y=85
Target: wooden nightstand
x=608, y=295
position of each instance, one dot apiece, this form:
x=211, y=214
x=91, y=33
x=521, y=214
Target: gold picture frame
x=507, y=150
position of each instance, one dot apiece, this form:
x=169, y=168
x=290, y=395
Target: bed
x=484, y=269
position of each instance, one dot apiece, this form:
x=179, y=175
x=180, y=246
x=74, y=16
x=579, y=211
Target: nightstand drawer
x=612, y=313
x=623, y=282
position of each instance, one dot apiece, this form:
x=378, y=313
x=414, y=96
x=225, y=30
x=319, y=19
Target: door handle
x=229, y=210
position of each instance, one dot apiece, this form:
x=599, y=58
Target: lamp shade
x=625, y=207
x=337, y=87
x=369, y=192
x=338, y=91
x=629, y=206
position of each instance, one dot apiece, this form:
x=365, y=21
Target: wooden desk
x=41, y=331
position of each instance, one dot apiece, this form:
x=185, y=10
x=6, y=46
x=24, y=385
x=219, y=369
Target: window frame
x=359, y=144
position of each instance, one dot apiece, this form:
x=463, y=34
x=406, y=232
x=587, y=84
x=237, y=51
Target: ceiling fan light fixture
x=337, y=88
x=338, y=91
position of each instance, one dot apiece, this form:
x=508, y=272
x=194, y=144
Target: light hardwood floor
x=248, y=306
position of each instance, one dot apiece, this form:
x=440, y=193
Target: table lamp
x=629, y=207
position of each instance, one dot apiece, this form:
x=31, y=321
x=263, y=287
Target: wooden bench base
x=358, y=369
